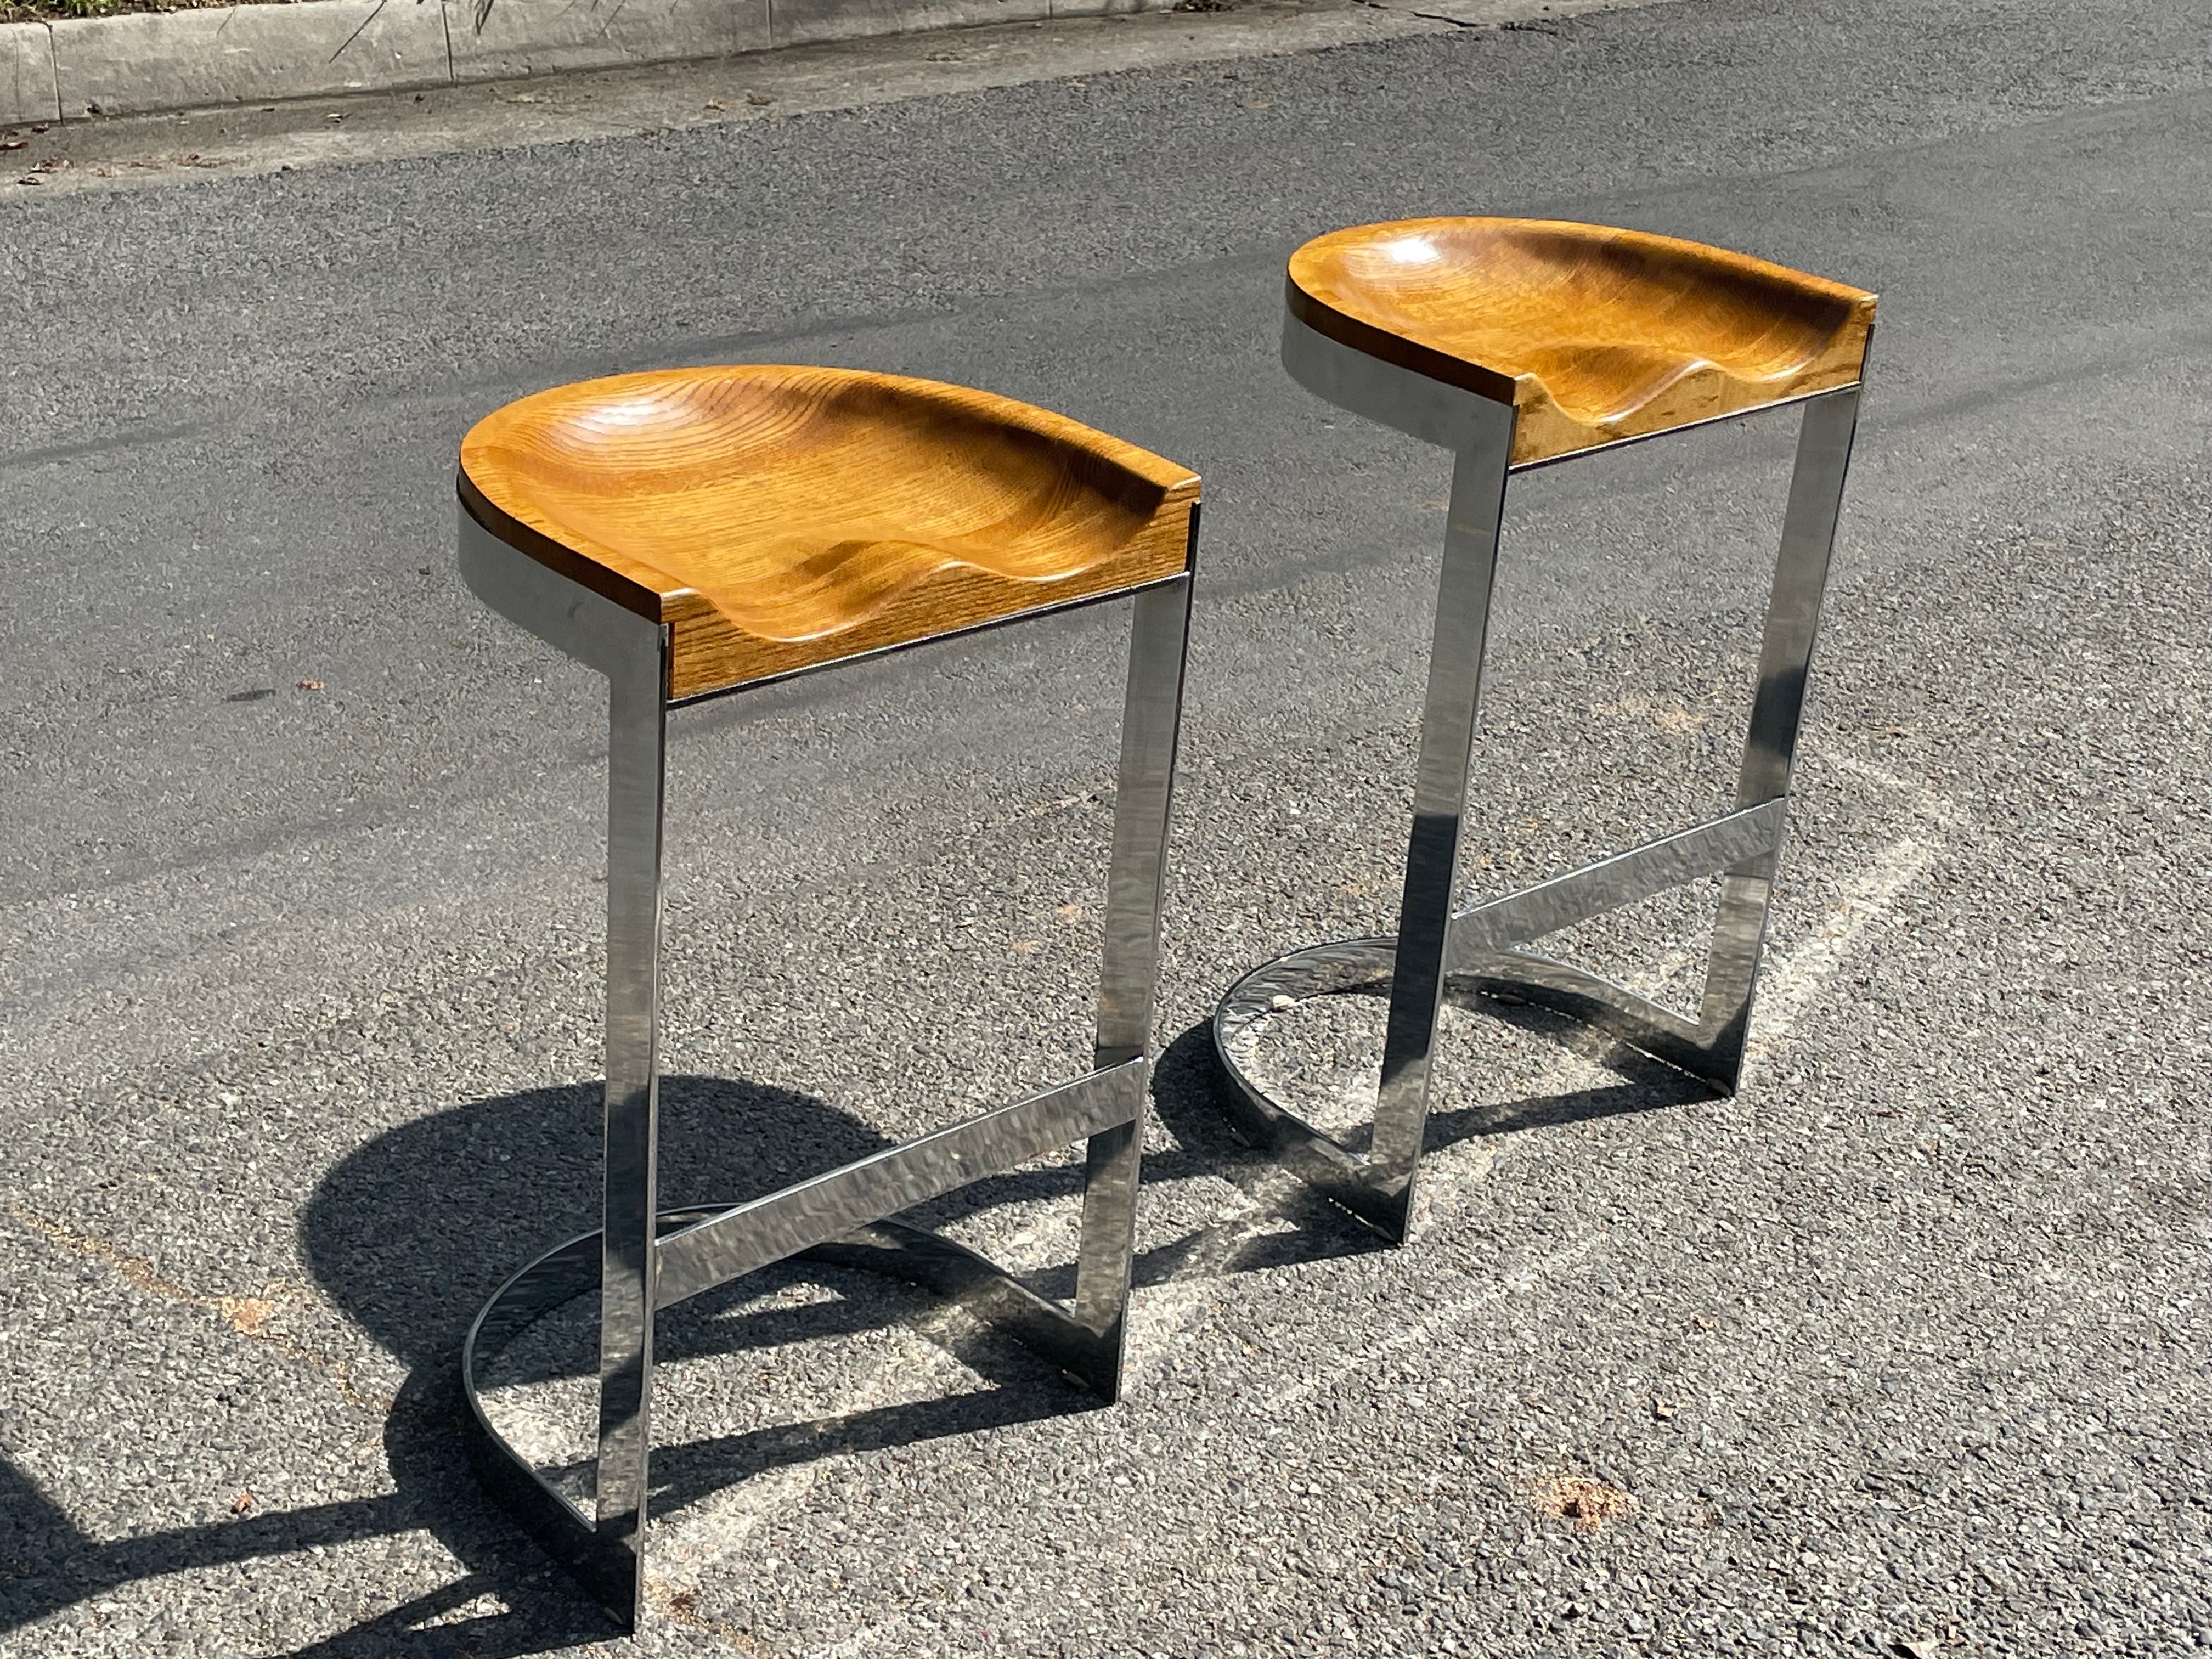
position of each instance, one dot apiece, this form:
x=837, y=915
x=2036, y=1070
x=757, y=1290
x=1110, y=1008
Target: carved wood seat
x=1593, y=334
x=780, y=518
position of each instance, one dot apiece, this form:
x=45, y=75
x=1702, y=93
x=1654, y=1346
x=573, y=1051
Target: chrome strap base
x=1381, y=1194
x=1483, y=952
x=605, y=1564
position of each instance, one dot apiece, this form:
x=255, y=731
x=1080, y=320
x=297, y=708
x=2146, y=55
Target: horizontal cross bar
x=1484, y=930
x=771, y=1229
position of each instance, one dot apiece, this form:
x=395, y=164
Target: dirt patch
x=1585, y=1502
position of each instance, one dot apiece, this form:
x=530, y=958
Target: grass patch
x=55, y=11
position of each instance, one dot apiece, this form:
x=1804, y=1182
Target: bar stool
x=1515, y=344
x=694, y=532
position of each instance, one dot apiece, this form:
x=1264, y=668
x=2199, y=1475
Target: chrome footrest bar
x=748, y=1236
x=1643, y=873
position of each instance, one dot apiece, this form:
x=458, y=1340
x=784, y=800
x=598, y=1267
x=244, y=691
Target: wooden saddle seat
x=1592, y=334
x=778, y=518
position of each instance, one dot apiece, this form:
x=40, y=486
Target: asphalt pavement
x=1902, y=1350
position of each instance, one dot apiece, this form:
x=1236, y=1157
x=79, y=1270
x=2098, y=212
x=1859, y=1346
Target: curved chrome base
x=1378, y=1193
x=607, y=1567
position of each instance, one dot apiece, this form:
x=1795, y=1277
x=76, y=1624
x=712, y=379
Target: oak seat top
x=1592, y=334
x=777, y=518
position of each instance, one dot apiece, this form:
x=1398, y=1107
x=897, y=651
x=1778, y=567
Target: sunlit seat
x=1591, y=334
x=780, y=518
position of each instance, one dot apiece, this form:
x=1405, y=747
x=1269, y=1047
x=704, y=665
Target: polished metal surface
x=1448, y=416
x=1482, y=952
x=1448, y=717
x=637, y=696
x=641, y=1260
x=1151, y=719
x=1360, y=967
x=1365, y=967
x=745, y=1236
x=1687, y=855
x=1785, y=664
x=608, y=1569
x=1486, y=958
x=632, y=652
x=574, y=620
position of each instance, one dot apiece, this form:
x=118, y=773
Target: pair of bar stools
x=693, y=532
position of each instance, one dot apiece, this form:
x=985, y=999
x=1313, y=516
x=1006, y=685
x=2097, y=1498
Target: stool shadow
x=1646, y=1084
x=410, y=1233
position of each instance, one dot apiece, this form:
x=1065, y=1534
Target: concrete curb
x=27, y=88
x=149, y=62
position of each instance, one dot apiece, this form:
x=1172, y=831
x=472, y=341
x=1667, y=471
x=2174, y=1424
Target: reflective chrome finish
x=1640, y=873
x=609, y=1572
x=1785, y=664
x=574, y=620
x=1448, y=416
x=632, y=652
x=637, y=695
x=641, y=1260
x=1482, y=950
x=1151, y=720
x=735, y=1242
x=1485, y=956
x=1448, y=715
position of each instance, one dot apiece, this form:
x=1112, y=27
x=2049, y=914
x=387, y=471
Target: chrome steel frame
x=1483, y=950
x=644, y=1260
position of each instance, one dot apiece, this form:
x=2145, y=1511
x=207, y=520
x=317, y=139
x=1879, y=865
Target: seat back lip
x=634, y=587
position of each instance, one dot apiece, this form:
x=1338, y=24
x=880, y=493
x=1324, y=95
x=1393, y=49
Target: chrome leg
x=1152, y=717
x=1785, y=657
x=1425, y=913
x=637, y=732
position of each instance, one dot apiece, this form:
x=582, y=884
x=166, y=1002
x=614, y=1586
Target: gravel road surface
x=1902, y=1351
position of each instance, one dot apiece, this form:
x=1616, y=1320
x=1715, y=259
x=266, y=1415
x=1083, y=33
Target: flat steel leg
x=638, y=701
x=1785, y=660
x=1425, y=913
x=1152, y=718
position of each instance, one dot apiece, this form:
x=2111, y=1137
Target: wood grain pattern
x=1593, y=334
x=778, y=517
